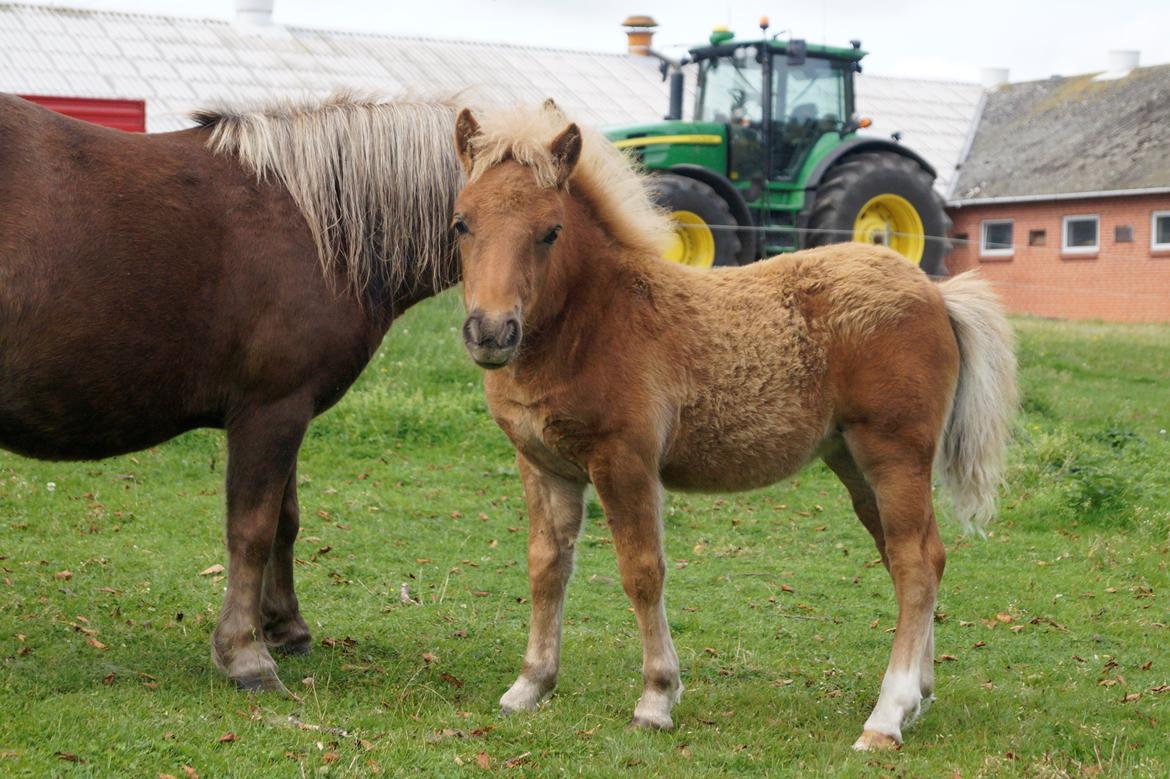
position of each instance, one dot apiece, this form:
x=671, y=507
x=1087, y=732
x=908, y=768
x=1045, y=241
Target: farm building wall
x=1122, y=281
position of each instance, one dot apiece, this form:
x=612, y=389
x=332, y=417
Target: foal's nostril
x=471, y=330
x=511, y=334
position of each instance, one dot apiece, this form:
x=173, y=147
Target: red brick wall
x=1122, y=282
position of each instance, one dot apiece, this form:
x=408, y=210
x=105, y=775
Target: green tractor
x=772, y=161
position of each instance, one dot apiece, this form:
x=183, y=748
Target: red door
x=129, y=115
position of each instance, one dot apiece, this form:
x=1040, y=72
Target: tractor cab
x=779, y=100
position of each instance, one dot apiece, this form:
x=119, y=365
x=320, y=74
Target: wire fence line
x=817, y=231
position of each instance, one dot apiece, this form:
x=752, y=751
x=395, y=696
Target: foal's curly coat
x=618, y=369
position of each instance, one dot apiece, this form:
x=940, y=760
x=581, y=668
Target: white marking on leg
x=524, y=695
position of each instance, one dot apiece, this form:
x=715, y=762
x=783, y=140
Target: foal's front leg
x=262, y=450
x=555, y=510
x=631, y=494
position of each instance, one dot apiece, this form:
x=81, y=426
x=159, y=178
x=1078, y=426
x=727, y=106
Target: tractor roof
x=812, y=49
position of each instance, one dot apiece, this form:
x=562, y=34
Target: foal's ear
x=550, y=106
x=566, y=150
x=466, y=129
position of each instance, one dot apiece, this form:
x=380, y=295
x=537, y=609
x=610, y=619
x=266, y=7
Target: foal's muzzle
x=491, y=340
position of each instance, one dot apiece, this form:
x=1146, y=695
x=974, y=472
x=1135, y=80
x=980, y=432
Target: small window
x=1160, y=230
x=1079, y=234
x=1123, y=234
x=1037, y=237
x=996, y=238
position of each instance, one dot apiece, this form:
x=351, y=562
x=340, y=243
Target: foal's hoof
x=524, y=695
x=872, y=741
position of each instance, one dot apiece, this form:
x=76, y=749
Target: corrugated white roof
x=177, y=64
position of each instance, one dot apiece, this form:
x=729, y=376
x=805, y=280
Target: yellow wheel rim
x=891, y=221
x=692, y=243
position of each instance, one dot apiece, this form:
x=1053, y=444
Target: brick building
x=1063, y=198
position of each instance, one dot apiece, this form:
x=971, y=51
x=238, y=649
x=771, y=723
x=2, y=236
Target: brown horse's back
x=142, y=279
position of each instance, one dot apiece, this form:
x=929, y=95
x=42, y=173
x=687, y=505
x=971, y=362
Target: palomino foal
x=611, y=367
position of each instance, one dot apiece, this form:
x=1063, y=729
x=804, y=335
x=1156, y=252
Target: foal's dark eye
x=459, y=226
x=551, y=238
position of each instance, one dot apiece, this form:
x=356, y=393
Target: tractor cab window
x=731, y=92
x=809, y=101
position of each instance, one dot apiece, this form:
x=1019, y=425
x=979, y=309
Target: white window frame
x=984, y=251
x=1154, y=230
x=1065, y=248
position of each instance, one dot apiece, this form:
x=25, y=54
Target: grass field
x=1052, y=634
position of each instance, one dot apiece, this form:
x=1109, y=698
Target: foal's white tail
x=972, y=452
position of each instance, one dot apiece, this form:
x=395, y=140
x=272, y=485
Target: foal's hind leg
x=262, y=450
x=865, y=506
x=898, y=469
x=555, y=510
x=285, y=630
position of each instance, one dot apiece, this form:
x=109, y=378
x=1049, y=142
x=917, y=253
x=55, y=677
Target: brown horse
x=237, y=275
x=614, y=368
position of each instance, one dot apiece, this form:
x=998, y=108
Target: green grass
x=408, y=480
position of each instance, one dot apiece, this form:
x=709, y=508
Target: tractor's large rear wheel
x=887, y=199
x=705, y=230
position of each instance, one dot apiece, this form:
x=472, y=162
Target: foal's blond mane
x=375, y=179
x=620, y=194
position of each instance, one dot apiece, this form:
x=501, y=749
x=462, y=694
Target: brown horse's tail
x=974, y=442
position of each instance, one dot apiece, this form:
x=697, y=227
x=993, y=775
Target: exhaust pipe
x=676, y=95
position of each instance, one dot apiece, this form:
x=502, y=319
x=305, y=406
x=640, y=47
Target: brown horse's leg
x=632, y=497
x=262, y=450
x=899, y=472
x=555, y=510
x=284, y=629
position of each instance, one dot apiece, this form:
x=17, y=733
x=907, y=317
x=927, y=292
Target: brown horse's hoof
x=647, y=723
x=296, y=648
x=262, y=683
x=288, y=635
x=872, y=741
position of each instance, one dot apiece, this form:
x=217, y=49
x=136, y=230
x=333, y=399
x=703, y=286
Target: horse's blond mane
x=375, y=179
x=620, y=194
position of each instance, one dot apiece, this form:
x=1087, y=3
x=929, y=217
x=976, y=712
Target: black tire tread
x=844, y=178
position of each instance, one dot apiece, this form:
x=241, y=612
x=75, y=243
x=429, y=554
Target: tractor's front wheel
x=887, y=199
x=704, y=228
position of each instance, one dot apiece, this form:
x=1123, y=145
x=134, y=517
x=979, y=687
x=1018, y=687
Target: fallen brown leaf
x=483, y=760
x=63, y=576
x=512, y=762
x=228, y=737
x=190, y=772
x=212, y=570
x=95, y=643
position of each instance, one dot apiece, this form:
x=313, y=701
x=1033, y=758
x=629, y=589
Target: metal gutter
x=990, y=201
